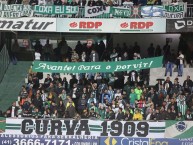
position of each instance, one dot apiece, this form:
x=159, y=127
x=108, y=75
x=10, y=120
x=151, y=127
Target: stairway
x=12, y=82
x=159, y=73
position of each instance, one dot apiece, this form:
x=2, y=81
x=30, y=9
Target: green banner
x=175, y=11
x=179, y=129
x=52, y=10
x=93, y=67
x=2, y=124
x=121, y=12
x=15, y=10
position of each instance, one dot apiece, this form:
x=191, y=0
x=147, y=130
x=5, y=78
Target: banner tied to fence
x=15, y=10
x=84, y=127
x=53, y=10
x=172, y=11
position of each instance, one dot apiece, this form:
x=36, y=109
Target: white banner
x=15, y=10
x=96, y=11
x=85, y=127
x=29, y=24
x=112, y=25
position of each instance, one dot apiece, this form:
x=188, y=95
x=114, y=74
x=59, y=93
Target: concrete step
x=159, y=73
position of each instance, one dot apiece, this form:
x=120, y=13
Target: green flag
x=179, y=129
x=2, y=124
x=121, y=12
x=175, y=11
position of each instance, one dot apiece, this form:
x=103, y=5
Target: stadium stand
x=109, y=106
x=103, y=96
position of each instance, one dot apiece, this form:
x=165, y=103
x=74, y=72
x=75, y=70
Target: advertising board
x=144, y=141
x=111, y=25
x=28, y=24
x=15, y=139
x=180, y=25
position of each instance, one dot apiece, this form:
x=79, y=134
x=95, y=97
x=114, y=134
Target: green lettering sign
x=121, y=12
x=175, y=11
x=52, y=10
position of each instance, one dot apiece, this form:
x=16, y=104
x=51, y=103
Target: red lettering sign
x=140, y=25
x=90, y=24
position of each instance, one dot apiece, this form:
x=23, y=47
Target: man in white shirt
x=37, y=55
x=181, y=65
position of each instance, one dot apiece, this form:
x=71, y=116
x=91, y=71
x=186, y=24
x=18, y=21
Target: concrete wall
x=144, y=40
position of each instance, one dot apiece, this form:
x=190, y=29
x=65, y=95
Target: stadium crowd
x=103, y=96
x=95, y=3
x=82, y=4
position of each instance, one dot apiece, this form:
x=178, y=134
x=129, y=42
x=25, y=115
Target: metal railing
x=189, y=12
x=4, y=61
